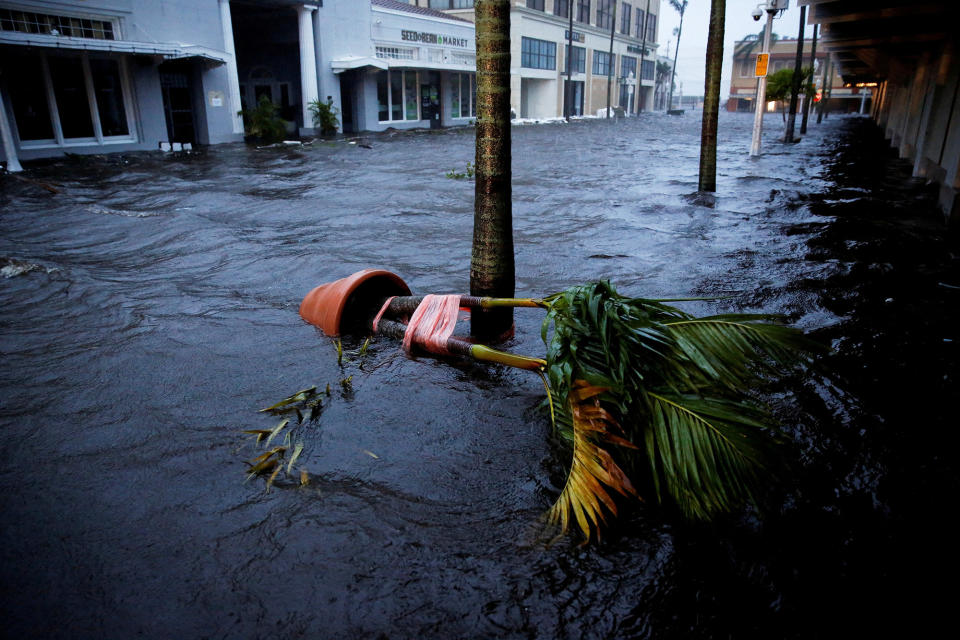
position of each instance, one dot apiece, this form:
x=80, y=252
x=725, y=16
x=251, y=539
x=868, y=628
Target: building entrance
x=430, y=98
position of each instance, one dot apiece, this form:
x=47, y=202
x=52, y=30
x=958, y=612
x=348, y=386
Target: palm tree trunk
x=797, y=78
x=711, y=97
x=813, y=65
x=492, y=262
x=613, y=25
x=673, y=73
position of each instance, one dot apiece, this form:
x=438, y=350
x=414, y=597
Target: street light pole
x=761, y=89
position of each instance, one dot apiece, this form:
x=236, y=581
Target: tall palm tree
x=681, y=7
x=492, y=271
x=711, y=97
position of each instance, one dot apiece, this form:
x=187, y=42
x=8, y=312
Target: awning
x=345, y=64
x=169, y=50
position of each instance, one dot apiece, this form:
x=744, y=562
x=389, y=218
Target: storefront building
x=539, y=35
x=420, y=71
x=91, y=77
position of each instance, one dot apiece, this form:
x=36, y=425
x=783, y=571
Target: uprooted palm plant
x=669, y=391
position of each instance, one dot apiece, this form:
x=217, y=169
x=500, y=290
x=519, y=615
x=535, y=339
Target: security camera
x=757, y=14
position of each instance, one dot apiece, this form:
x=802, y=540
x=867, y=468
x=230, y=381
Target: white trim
x=169, y=50
x=422, y=16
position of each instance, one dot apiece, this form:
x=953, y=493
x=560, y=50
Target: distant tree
x=681, y=8
x=780, y=83
x=663, y=75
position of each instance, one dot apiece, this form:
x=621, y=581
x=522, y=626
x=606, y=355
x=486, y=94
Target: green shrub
x=263, y=121
x=324, y=116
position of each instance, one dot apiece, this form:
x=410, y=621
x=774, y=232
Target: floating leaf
x=299, y=396
x=260, y=433
x=304, y=478
x=297, y=450
x=277, y=429
x=371, y=454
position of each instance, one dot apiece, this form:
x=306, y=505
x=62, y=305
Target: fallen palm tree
x=638, y=388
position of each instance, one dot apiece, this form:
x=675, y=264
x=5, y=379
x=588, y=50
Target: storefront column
x=308, y=62
x=9, y=150
x=233, y=78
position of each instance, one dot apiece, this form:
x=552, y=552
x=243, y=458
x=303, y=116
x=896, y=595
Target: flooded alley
x=148, y=305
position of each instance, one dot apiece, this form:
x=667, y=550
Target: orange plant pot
x=349, y=304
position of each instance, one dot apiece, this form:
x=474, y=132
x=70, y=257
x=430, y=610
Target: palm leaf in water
x=676, y=384
x=593, y=473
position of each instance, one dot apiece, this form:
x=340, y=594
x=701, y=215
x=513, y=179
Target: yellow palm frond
x=593, y=472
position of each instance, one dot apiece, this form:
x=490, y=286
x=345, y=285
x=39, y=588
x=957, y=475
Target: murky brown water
x=156, y=312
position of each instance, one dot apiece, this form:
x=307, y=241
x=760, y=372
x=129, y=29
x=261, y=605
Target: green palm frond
x=703, y=453
x=676, y=383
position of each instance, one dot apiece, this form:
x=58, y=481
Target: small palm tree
x=681, y=7
x=643, y=390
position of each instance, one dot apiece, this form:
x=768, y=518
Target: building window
x=463, y=95
x=535, y=4
x=652, y=27
x=638, y=21
x=452, y=4
x=27, y=22
x=538, y=54
x=69, y=100
x=397, y=53
x=628, y=65
x=397, y=96
x=561, y=8
x=579, y=59
x=605, y=14
x=625, y=18
x=649, y=68
x=601, y=63
x=583, y=11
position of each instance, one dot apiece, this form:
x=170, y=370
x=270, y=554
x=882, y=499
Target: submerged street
x=148, y=306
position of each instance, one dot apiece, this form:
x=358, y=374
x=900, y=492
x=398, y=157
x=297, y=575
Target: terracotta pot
x=349, y=304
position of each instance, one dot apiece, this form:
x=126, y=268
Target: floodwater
x=149, y=309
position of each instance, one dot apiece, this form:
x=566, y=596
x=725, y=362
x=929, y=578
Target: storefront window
x=71, y=114
x=70, y=90
x=109, y=93
x=397, y=96
x=30, y=109
x=463, y=103
x=411, y=95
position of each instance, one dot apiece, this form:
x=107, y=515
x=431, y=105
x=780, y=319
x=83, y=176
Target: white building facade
x=539, y=37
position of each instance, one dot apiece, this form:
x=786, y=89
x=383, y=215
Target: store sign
x=432, y=38
x=577, y=36
x=635, y=49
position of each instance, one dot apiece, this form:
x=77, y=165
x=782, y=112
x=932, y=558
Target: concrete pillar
x=233, y=78
x=9, y=150
x=308, y=63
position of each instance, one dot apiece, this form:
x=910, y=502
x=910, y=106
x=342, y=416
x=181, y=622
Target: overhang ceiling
x=866, y=36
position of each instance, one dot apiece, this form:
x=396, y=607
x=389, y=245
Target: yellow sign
x=761, y=70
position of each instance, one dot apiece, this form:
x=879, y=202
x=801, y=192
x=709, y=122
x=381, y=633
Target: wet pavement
x=149, y=309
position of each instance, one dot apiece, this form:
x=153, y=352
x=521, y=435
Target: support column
x=308, y=62
x=233, y=78
x=9, y=150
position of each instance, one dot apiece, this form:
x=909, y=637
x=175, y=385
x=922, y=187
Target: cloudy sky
x=693, y=40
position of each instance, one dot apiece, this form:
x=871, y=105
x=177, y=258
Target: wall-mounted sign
x=433, y=38
x=577, y=36
x=635, y=49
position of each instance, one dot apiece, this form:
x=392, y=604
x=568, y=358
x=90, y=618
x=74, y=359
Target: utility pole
x=797, y=78
x=613, y=25
x=761, y=89
x=643, y=53
x=567, y=107
x=813, y=66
